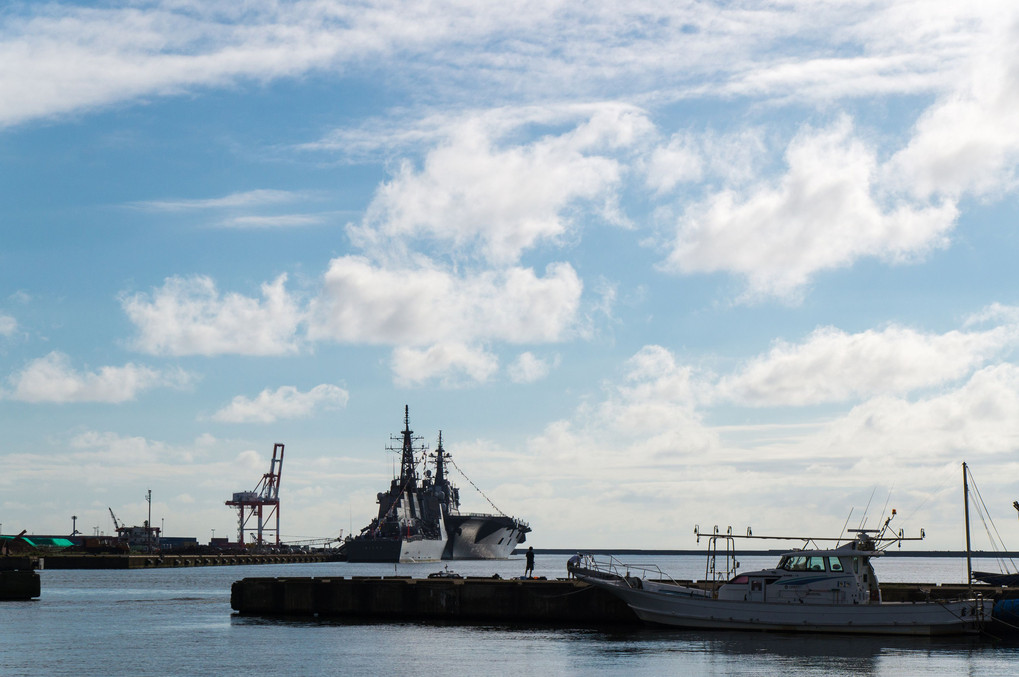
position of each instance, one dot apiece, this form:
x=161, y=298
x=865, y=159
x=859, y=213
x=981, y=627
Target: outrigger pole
x=965, y=497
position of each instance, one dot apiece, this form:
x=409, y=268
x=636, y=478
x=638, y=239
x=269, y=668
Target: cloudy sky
x=646, y=265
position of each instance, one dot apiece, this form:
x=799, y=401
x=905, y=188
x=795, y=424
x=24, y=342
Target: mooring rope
x=494, y=506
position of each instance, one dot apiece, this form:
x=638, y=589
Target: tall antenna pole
x=965, y=496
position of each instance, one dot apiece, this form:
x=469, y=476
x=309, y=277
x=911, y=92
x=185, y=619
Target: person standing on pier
x=572, y=564
x=529, y=569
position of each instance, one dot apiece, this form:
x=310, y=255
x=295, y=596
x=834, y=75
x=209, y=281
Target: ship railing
x=611, y=567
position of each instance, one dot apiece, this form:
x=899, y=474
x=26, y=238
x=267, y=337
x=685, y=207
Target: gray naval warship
x=419, y=518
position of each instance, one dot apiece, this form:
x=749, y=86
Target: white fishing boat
x=810, y=590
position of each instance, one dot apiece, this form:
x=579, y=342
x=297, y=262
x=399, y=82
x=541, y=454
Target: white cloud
x=678, y=162
x=53, y=379
x=364, y=303
x=59, y=59
x=823, y=214
x=8, y=325
x=251, y=198
x=272, y=221
x=528, y=368
x=501, y=200
x=832, y=365
x=968, y=141
x=978, y=420
x=286, y=402
x=455, y=364
x=642, y=461
x=187, y=316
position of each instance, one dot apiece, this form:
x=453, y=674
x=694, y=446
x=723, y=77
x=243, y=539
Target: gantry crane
x=263, y=503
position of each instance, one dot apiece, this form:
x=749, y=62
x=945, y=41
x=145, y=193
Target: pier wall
x=18, y=581
x=485, y=600
x=470, y=599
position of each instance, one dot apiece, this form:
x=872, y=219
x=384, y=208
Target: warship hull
x=483, y=536
x=394, y=550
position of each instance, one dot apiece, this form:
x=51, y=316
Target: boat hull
x=996, y=579
x=394, y=550
x=687, y=608
x=482, y=536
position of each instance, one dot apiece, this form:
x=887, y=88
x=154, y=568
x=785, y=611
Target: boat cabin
x=840, y=576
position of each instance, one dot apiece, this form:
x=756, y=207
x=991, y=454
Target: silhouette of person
x=572, y=564
x=529, y=570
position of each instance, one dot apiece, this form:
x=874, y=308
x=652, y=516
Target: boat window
x=834, y=564
x=740, y=579
x=815, y=564
x=798, y=563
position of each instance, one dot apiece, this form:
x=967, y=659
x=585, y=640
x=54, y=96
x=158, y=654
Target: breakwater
x=150, y=561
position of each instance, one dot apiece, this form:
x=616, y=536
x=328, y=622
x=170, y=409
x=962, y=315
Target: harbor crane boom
x=262, y=503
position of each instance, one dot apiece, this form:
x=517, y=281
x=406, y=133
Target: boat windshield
x=793, y=563
x=808, y=563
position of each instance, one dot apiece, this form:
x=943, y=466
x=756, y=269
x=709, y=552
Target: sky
x=647, y=266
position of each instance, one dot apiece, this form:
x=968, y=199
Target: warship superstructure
x=419, y=518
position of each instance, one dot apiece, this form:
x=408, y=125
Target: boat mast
x=965, y=496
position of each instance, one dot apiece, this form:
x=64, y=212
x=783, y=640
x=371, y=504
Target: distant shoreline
x=751, y=553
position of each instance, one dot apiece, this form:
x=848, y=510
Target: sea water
x=179, y=622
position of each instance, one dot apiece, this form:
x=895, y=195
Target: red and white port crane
x=263, y=503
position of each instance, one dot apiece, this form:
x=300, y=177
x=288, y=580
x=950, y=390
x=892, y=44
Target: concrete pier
x=486, y=600
x=404, y=598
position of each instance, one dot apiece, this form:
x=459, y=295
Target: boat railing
x=610, y=567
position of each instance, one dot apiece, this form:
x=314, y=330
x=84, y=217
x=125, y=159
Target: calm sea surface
x=179, y=622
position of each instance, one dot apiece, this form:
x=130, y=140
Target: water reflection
x=797, y=654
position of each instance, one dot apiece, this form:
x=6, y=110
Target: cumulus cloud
x=452, y=363
x=188, y=316
x=436, y=317
x=528, y=368
x=679, y=161
x=8, y=325
x=823, y=214
x=967, y=142
x=286, y=402
x=832, y=365
x=501, y=200
x=643, y=459
x=53, y=379
x=366, y=303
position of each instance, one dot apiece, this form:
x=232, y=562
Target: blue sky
x=646, y=266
